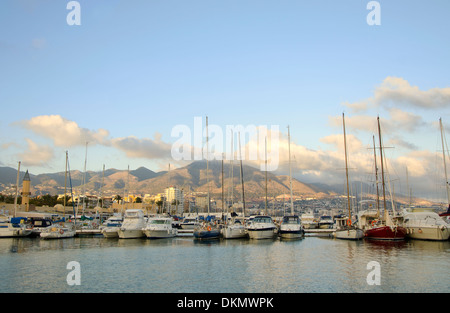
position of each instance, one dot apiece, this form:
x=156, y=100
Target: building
x=175, y=199
x=26, y=185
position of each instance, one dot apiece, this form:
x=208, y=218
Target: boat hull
x=386, y=233
x=57, y=234
x=15, y=233
x=160, y=233
x=207, y=234
x=349, y=234
x=110, y=232
x=130, y=233
x=266, y=233
x=440, y=233
x=234, y=232
x=294, y=234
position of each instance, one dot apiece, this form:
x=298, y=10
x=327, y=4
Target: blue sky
x=133, y=70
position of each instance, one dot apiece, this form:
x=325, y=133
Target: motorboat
x=110, y=227
x=291, y=227
x=261, y=227
x=160, y=227
x=133, y=223
x=59, y=231
x=309, y=221
x=426, y=225
x=326, y=222
x=14, y=227
x=189, y=223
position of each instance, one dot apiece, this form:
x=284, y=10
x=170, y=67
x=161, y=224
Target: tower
x=26, y=191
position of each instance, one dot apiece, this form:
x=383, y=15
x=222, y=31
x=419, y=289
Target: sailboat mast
x=266, y=173
x=222, y=188
x=376, y=176
x=65, y=183
x=382, y=166
x=346, y=170
x=242, y=177
x=207, y=163
x=290, y=171
x=445, y=165
x=17, y=189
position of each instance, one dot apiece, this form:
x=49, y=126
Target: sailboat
x=385, y=228
x=235, y=228
x=445, y=215
x=349, y=231
x=207, y=230
x=291, y=226
x=62, y=229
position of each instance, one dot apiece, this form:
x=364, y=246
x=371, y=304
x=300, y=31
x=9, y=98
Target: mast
x=382, y=166
x=222, y=188
x=445, y=165
x=84, y=179
x=376, y=176
x=266, y=173
x=346, y=171
x=290, y=171
x=242, y=177
x=17, y=189
x=207, y=164
x=65, y=183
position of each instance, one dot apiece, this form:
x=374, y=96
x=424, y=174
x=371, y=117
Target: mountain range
x=190, y=178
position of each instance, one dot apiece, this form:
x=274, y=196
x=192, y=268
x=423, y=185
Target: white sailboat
x=235, y=227
x=207, y=230
x=291, y=225
x=349, y=231
x=62, y=229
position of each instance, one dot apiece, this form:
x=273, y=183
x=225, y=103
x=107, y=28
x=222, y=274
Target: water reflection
x=182, y=264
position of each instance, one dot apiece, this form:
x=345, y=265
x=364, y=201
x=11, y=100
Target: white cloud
x=143, y=148
x=36, y=155
x=398, y=91
x=65, y=133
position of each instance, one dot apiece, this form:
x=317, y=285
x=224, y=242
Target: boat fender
x=61, y=231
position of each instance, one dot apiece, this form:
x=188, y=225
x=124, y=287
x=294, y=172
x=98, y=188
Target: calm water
x=184, y=265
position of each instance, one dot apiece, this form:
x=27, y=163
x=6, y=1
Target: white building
x=175, y=199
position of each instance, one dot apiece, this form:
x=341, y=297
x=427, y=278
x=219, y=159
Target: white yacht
x=309, y=221
x=160, y=227
x=326, y=222
x=189, y=223
x=110, y=228
x=261, y=227
x=59, y=231
x=426, y=225
x=133, y=223
x=291, y=227
x=15, y=227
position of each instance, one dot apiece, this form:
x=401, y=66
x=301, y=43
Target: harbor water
x=184, y=265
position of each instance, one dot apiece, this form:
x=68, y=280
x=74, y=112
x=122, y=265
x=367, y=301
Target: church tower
x=26, y=184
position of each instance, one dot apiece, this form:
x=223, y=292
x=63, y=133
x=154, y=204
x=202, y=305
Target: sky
x=136, y=77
